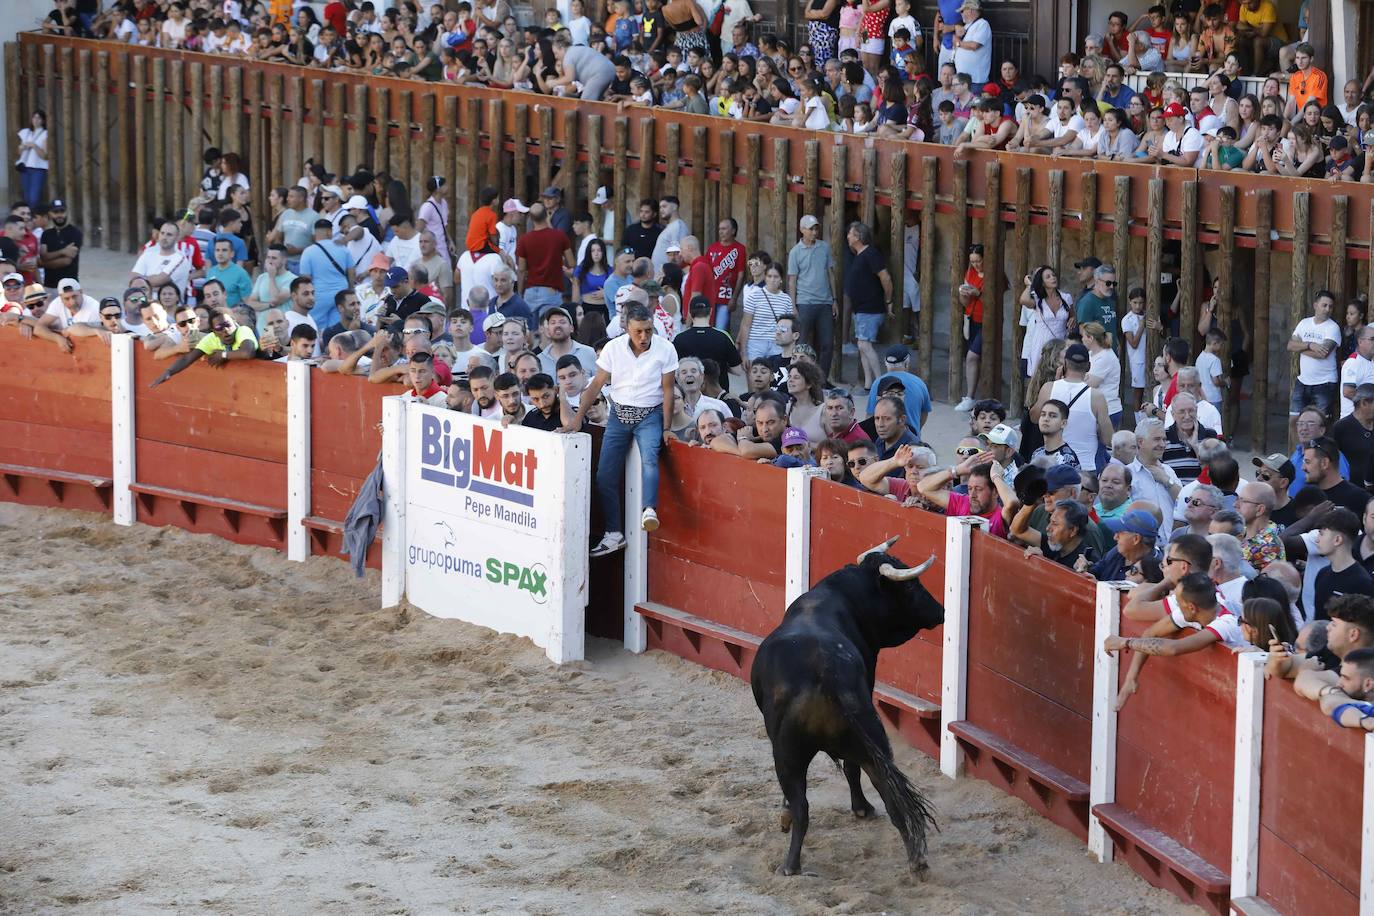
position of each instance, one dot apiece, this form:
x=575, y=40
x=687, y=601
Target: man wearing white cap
x=72, y=312
x=811, y=284
x=330, y=198
x=512, y=215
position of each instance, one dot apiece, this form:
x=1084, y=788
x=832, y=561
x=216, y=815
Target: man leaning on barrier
x=227, y=340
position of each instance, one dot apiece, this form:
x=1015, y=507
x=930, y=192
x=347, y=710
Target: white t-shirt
x=1135, y=355
x=637, y=380
x=1225, y=625
x=1311, y=370
x=1207, y=416
x=1190, y=142
x=976, y=64
x=908, y=23
x=477, y=273
x=176, y=265
x=1106, y=365
x=1209, y=366
x=1059, y=128
x=816, y=116
x=506, y=237
x=89, y=313
x=1355, y=371
x=405, y=252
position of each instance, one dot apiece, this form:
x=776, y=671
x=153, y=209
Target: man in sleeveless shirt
x=1087, y=425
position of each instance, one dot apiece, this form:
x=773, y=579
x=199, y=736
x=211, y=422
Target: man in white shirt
x=478, y=272
x=1152, y=480
x=165, y=262
x=973, y=43
x=1358, y=369
x=1315, y=340
x=640, y=367
x=674, y=230
x=72, y=312
x=404, y=247
x=1190, y=382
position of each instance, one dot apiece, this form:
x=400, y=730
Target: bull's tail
x=910, y=811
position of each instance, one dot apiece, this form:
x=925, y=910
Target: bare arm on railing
x=1153, y=643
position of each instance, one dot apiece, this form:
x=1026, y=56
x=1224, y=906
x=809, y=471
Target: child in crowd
x=1210, y=369
x=901, y=48
x=851, y=21
x=1221, y=151
x=1133, y=329
x=950, y=127
x=902, y=19
x=865, y=121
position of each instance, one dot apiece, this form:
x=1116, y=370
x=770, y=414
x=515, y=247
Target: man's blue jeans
x=610, y=472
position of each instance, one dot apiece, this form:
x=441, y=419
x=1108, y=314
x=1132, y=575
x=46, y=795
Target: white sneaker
x=611, y=541
x=964, y=406
x=649, y=521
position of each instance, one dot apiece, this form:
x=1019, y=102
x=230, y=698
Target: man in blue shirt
x=238, y=286
x=1115, y=92
x=913, y=392
x=330, y=266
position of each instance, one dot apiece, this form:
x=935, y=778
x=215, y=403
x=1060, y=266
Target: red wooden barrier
x=55, y=423
x=344, y=445
x=719, y=556
x=211, y=450
x=1311, y=805
x=1028, y=714
x=845, y=522
x=1175, y=759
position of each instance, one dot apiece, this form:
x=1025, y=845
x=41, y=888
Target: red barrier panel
x=210, y=454
x=845, y=521
x=55, y=423
x=344, y=445
x=1028, y=713
x=1175, y=759
x=719, y=555
x=1311, y=802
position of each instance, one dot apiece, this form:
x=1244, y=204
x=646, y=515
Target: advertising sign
x=496, y=526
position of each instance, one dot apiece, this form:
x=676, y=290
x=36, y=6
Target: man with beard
x=556, y=329
x=985, y=484
x=350, y=317
x=59, y=248
x=544, y=412
x=484, y=402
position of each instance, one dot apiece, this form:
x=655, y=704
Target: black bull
x=813, y=681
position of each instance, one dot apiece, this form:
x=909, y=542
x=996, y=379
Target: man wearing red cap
x=1181, y=144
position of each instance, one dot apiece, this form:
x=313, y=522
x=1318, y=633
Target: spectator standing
x=639, y=367
x=1185, y=437
x=1320, y=463
x=1262, y=544
x=433, y=215
x=1355, y=371
x=727, y=257
x=295, y=227
x=1104, y=368
x=1088, y=427
x=164, y=262
x=1338, y=534
x=674, y=230
x=59, y=248
x=705, y=341
x=811, y=284
x=1098, y=302
x=559, y=217
x=556, y=329
x=868, y=290
x=329, y=265
x=642, y=236
x=543, y=252
x=766, y=308
x=899, y=380
x=33, y=158
x=1152, y=480
x=238, y=288
x=1354, y=436
x=973, y=43
x=1315, y=340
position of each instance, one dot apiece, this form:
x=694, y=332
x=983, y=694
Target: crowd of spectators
x=1225, y=85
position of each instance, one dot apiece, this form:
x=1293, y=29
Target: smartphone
x=1275, y=633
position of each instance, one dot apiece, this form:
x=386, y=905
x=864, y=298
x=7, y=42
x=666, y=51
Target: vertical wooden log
x=318, y=115
x=403, y=143
x=1226, y=297
x=896, y=240
x=448, y=155
x=381, y=140
x=333, y=149
x=295, y=97
x=868, y=205
x=594, y=127
x=157, y=140
x=29, y=67
x=66, y=131
x=258, y=160
x=496, y=153
x=1121, y=241
x=1154, y=261
x=52, y=104
x=274, y=130
x=811, y=181
x=1054, y=232
x=990, y=367
x=545, y=138
x=181, y=159
x=727, y=177
x=620, y=176
x=140, y=145
x=109, y=139
x=196, y=100
x=1088, y=232
x=781, y=180
x=13, y=104
x=752, y=175
x=84, y=206
x=232, y=124
x=520, y=160
x=130, y=227
x=214, y=110
x=839, y=165
x=700, y=215
x=1336, y=264
x=472, y=123
x=1369, y=290
x=568, y=171
x=358, y=146
x=647, y=159
x=930, y=168
x=672, y=163
x=1259, y=374
x=1020, y=260
x=427, y=166
x=1190, y=272
x=1302, y=243
x=958, y=263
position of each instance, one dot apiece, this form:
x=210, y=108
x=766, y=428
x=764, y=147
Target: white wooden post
x=394, y=535
x=122, y=427
x=636, y=553
x=1102, y=785
x=1367, y=832
x=954, y=668
x=1245, y=794
x=298, y=460
x=797, y=577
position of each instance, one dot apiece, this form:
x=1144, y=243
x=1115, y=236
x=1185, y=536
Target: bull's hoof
x=786, y=870
x=920, y=871
x=785, y=821
x=864, y=812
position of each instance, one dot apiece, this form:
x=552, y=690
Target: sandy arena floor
x=190, y=724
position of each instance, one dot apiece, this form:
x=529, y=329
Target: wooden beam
x=496, y=152
x=295, y=128
x=567, y=173
x=925, y=337
x=811, y=181
x=424, y=166
x=1054, y=234
x=646, y=157
x=214, y=110
x=726, y=205
x=1336, y=264
x=17, y=119
x=868, y=195
x=621, y=175
x=319, y=147
x=157, y=140
x=835, y=227
x=896, y=238
x=182, y=160
x=994, y=285
x=753, y=166
x=545, y=138
x=1154, y=259
x=140, y=131
x=1226, y=297
x=448, y=155
x=1020, y=261
x=1088, y=216
x=778, y=226
x=672, y=162
x=472, y=124
x=1302, y=244
x=258, y=159
x=108, y=215
x=231, y=124
x=519, y=161
x=274, y=131
x=64, y=134
x=130, y=226
x=594, y=177
x=1190, y=272
x=958, y=263
x=703, y=209
x=334, y=140
x=1259, y=370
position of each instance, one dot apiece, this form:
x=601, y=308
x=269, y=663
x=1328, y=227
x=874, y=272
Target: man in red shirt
x=698, y=279
x=543, y=252
x=728, y=258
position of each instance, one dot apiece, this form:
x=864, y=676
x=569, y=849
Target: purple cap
x=793, y=435
x=396, y=276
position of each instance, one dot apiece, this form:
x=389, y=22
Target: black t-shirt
x=641, y=238
x=337, y=328
x=411, y=304
x=1285, y=516
x=622, y=87
x=709, y=343
x=55, y=240
x=1357, y=445
x=861, y=283
x=535, y=419
x=9, y=250
x=781, y=366
x=1348, y=495
x=1070, y=557
x=1353, y=580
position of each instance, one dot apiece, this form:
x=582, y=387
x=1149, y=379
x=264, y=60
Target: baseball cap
x=896, y=354
x=12, y=278
x=557, y=310
x=432, y=307
x=1094, y=263
x=808, y=221
x=1002, y=434
x=493, y=321
x=1137, y=521
x=68, y=285
x=1076, y=353
x=1175, y=110
x=970, y=5
x=514, y=206
x=988, y=88
x=1277, y=463
x=601, y=196
x=332, y=189
x=380, y=262
x=793, y=435
x=396, y=276
x=631, y=293
x=58, y=204
x=1061, y=476
x=673, y=247
x=356, y=202
x=552, y=191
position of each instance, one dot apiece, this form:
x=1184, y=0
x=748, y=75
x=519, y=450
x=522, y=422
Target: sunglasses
x=1110, y=284
x=416, y=331
x=138, y=298
x=968, y=451
x=186, y=322
x=1194, y=501
x=114, y=314
x=1168, y=561
x=859, y=462
x=219, y=327
x=1265, y=477
x=13, y=283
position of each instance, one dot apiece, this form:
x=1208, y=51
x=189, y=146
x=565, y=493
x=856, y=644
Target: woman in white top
x=1104, y=368
x=434, y=214
x=763, y=306
x=811, y=112
x=1089, y=139
x=1050, y=312
x=33, y=158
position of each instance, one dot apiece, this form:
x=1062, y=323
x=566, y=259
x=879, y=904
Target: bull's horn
x=880, y=548
x=888, y=571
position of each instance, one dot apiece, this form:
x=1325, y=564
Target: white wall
x=19, y=15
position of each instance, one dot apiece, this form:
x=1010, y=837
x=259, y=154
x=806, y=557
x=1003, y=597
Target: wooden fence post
x=545, y=139
x=753, y=159
x=381, y=143
x=295, y=130
x=105, y=131
x=703, y=209
x=990, y=366
x=925, y=339
x=1154, y=259
x=66, y=131
x=318, y=114
x=1189, y=275
x=472, y=124
x=1226, y=297
x=1336, y=263
x=257, y=158
x=868, y=193
x=781, y=181
x=835, y=226
x=232, y=129
x=357, y=128
x=594, y=128
x=448, y=160
x=726, y=206
x=130, y=225
x=1020, y=261
x=496, y=152
x=1259, y=388
x=567, y=173
x=896, y=239
x=214, y=109
x=17, y=116
x=181, y=159
x=958, y=263
x=1302, y=243
x=620, y=175
x=1088, y=216
x=811, y=181
x=1054, y=231
x=141, y=212
x=85, y=143
x=672, y=161
x=647, y=161
x=157, y=141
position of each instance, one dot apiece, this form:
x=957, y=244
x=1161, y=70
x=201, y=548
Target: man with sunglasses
x=111, y=317
x=1098, y=302
x=1276, y=472
x=1319, y=462
x=227, y=340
